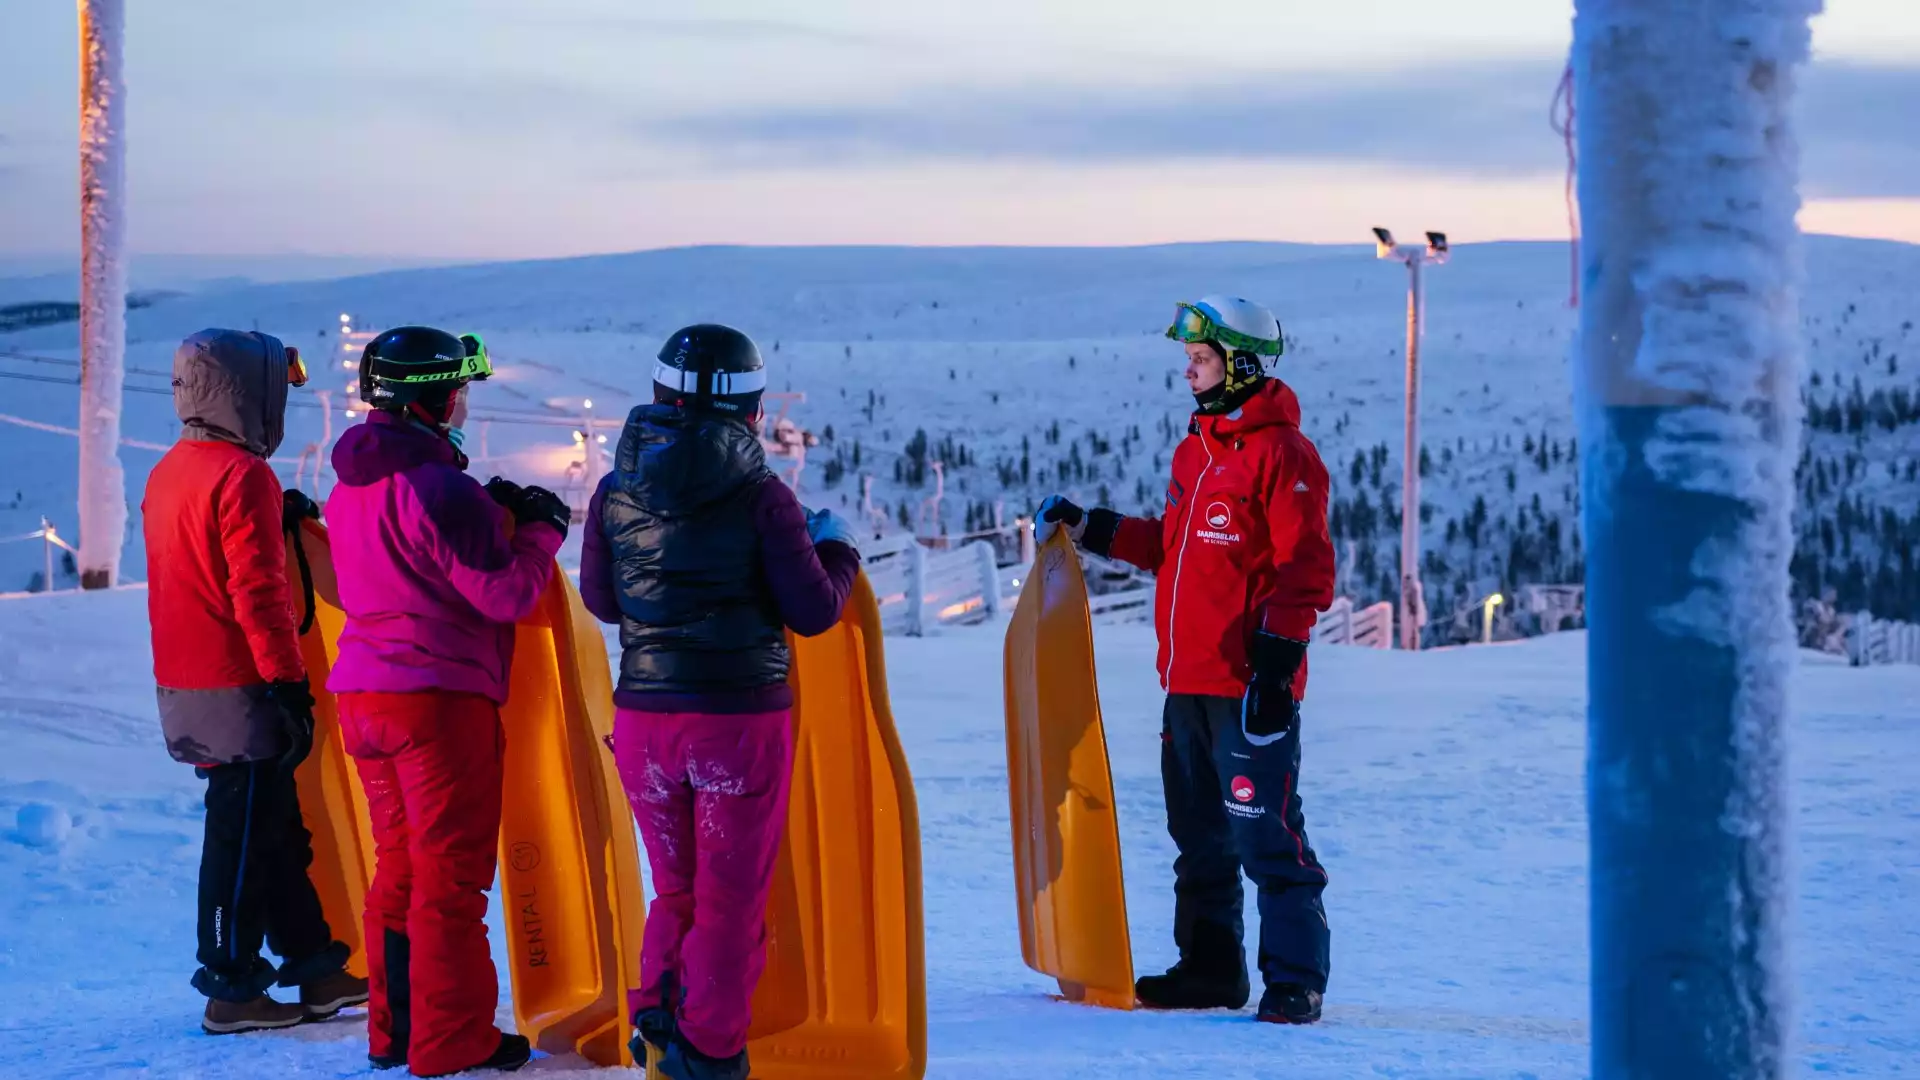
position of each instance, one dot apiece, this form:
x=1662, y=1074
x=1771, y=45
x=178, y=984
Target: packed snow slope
x=1026, y=371
x=1443, y=791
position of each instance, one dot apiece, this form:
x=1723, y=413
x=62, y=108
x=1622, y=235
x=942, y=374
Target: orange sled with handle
x=844, y=992
x=844, y=995
x=331, y=803
x=569, y=867
x=1066, y=835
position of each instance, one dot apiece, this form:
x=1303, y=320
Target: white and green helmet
x=1233, y=323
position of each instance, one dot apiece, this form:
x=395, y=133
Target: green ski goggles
x=479, y=365
x=1193, y=323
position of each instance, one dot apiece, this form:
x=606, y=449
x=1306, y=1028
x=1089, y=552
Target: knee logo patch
x=1242, y=804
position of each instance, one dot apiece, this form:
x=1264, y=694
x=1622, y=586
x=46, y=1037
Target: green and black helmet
x=418, y=365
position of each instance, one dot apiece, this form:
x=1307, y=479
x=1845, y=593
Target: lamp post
x=595, y=464
x=1486, y=617
x=1413, y=608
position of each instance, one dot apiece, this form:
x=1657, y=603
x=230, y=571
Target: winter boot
x=325, y=997
x=684, y=1061
x=513, y=1052
x=1286, y=1003
x=1212, y=974
x=653, y=1031
x=259, y=1014
x=397, y=951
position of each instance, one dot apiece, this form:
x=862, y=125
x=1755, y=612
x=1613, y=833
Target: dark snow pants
x=1233, y=807
x=254, y=886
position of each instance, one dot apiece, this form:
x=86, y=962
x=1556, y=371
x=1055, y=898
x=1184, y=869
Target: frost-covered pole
x=103, y=291
x=1688, y=398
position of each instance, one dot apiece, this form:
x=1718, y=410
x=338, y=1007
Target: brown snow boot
x=260, y=1014
x=325, y=997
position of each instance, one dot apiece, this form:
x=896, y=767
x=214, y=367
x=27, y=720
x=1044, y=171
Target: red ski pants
x=709, y=792
x=430, y=766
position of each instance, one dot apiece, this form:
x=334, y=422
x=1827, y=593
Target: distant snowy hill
x=1027, y=371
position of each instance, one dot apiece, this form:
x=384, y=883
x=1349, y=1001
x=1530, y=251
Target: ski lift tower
x=1413, y=608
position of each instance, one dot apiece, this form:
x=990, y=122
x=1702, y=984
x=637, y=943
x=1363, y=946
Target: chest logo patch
x=1217, y=525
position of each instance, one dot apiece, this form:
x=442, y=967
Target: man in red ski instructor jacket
x=1244, y=566
x=233, y=692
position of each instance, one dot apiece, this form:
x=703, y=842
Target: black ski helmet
x=710, y=367
x=419, y=365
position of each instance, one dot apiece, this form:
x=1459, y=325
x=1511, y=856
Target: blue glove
x=825, y=525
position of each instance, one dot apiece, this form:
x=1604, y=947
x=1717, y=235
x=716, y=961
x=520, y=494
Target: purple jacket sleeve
x=596, y=562
x=810, y=583
x=467, y=534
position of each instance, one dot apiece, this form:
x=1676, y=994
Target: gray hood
x=231, y=386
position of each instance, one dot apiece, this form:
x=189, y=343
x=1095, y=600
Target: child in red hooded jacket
x=234, y=700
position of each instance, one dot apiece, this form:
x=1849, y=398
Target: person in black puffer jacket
x=706, y=560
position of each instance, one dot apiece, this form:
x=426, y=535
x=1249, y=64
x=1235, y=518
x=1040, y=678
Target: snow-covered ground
x=1443, y=791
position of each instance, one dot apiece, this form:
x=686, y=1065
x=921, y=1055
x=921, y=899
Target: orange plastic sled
x=1066, y=835
x=844, y=995
x=569, y=868
x=331, y=802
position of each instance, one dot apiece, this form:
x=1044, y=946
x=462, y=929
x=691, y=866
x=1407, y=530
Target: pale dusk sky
x=487, y=128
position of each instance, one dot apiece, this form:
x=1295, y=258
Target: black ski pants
x=254, y=886
x=1234, y=807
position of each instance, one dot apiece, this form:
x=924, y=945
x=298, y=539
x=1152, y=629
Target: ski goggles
x=479, y=365
x=474, y=366
x=296, y=368
x=1197, y=323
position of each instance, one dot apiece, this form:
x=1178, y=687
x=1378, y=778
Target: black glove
x=537, y=504
x=296, y=507
x=1091, y=529
x=295, y=699
x=1269, y=711
x=504, y=491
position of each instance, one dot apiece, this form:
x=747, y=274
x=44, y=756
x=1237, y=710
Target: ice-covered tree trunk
x=103, y=291
x=1688, y=397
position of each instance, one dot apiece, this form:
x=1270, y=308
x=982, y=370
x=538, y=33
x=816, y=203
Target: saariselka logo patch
x=1217, y=525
